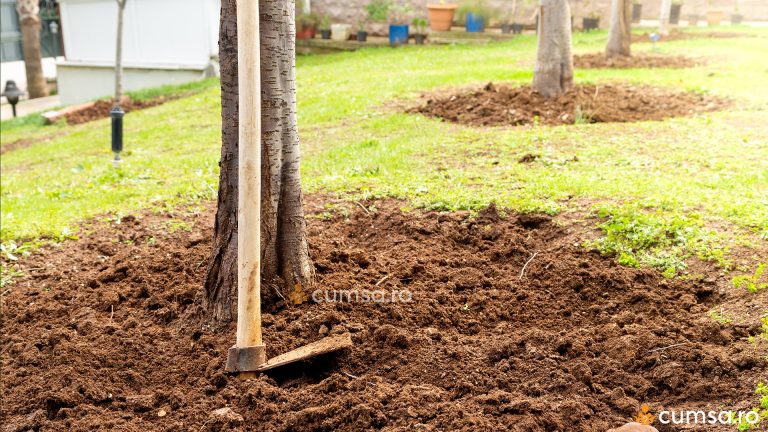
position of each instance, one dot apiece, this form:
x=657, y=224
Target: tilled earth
x=511, y=326
x=505, y=105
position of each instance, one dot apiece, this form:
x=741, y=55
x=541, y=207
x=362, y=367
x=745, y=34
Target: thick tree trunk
x=620, y=34
x=29, y=20
x=119, y=53
x=553, y=72
x=286, y=266
x=666, y=7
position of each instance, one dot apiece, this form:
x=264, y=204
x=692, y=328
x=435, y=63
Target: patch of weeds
x=721, y=317
x=581, y=116
x=175, y=225
x=656, y=238
x=753, y=283
x=762, y=392
x=11, y=251
x=8, y=274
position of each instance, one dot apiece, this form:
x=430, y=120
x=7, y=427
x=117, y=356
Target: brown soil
x=502, y=105
x=680, y=35
x=101, y=108
x=599, y=61
x=511, y=327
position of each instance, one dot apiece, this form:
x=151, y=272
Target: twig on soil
x=112, y=312
x=363, y=207
x=5, y=292
x=382, y=280
x=522, y=272
x=350, y=375
x=670, y=346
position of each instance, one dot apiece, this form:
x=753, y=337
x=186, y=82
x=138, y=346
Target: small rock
x=161, y=413
x=434, y=333
x=634, y=427
x=226, y=415
x=323, y=330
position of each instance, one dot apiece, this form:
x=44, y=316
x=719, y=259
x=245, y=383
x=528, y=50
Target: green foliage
x=762, y=392
x=325, y=23
x=419, y=25
x=378, y=10
x=476, y=7
x=753, y=282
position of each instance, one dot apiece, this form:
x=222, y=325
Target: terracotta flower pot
x=714, y=17
x=440, y=16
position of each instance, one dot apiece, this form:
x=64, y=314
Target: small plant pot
x=306, y=33
x=398, y=34
x=588, y=24
x=674, y=13
x=693, y=20
x=325, y=34
x=340, y=32
x=714, y=18
x=517, y=28
x=736, y=19
x=475, y=23
x=419, y=38
x=440, y=16
x=506, y=28
x=362, y=36
x=637, y=12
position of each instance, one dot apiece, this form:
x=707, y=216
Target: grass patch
x=754, y=282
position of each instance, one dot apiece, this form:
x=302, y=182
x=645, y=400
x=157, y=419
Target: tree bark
x=553, y=72
x=666, y=6
x=286, y=266
x=119, y=53
x=620, y=33
x=29, y=20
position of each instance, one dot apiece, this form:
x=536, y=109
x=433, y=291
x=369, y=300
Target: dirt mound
x=680, y=35
x=502, y=105
x=510, y=327
x=101, y=109
x=599, y=61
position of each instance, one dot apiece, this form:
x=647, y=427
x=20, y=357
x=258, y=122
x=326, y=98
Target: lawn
x=663, y=190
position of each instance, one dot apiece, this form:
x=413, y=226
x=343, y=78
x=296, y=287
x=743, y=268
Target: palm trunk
x=553, y=72
x=119, y=53
x=666, y=6
x=286, y=266
x=620, y=34
x=29, y=20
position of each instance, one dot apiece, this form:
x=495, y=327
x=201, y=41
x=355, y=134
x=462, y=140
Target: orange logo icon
x=644, y=417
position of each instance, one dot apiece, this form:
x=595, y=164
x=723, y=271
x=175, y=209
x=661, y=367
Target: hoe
x=248, y=356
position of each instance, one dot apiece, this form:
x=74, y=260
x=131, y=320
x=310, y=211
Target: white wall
x=157, y=32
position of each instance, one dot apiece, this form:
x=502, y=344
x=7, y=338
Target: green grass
x=664, y=190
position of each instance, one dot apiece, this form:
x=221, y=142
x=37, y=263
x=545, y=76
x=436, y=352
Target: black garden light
x=12, y=93
x=117, y=132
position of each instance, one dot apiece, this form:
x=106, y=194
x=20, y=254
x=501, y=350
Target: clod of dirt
x=502, y=105
x=101, y=108
x=600, y=61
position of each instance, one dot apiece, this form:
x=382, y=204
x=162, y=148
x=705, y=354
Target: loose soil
x=504, y=105
x=599, y=61
x=101, y=109
x=512, y=326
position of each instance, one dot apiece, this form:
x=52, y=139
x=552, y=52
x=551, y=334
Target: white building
x=164, y=42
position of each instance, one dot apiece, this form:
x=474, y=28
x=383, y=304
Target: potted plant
x=419, y=30
x=325, y=27
x=736, y=17
x=340, y=32
x=637, y=11
x=591, y=20
x=306, y=26
x=441, y=15
x=362, y=35
x=714, y=16
x=398, y=24
x=693, y=20
x=475, y=15
x=674, y=12
x=511, y=22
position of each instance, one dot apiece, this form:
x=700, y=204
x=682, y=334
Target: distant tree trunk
x=286, y=266
x=119, y=53
x=29, y=20
x=620, y=34
x=666, y=6
x=553, y=72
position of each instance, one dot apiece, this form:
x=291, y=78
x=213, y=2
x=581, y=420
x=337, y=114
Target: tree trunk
x=620, y=34
x=29, y=20
x=286, y=266
x=553, y=72
x=666, y=6
x=119, y=53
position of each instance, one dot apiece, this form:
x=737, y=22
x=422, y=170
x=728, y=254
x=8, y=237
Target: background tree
x=553, y=72
x=620, y=33
x=286, y=265
x=29, y=20
x=666, y=7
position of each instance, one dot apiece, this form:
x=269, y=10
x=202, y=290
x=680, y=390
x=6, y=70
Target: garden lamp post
x=12, y=93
